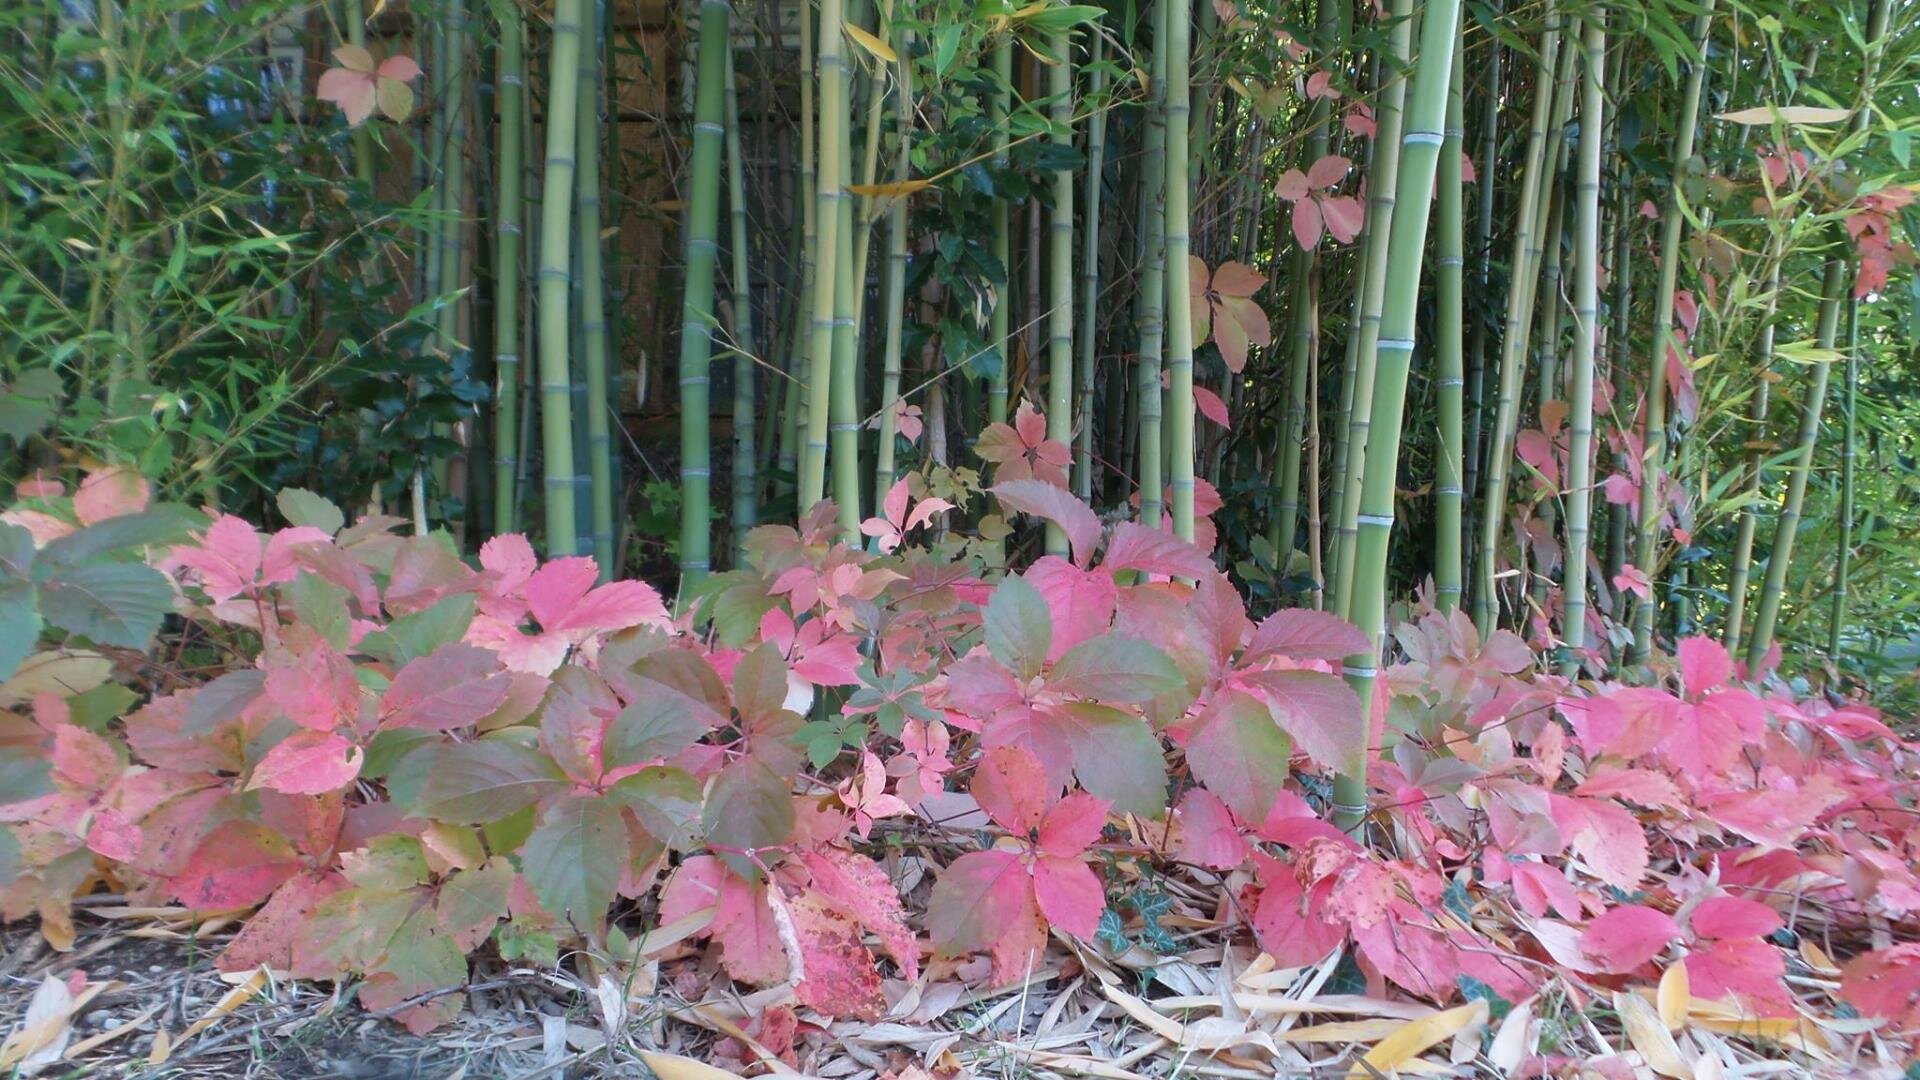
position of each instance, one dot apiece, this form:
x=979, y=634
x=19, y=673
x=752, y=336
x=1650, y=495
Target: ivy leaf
x=575, y=858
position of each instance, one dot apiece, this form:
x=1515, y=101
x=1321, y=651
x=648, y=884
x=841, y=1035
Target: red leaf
x=1069, y=894
x=451, y=687
x=861, y=886
x=1734, y=917
x=1606, y=836
x=1320, y=85
x=1627, y=937
x=1072, y=824
x=237, y=865
x=1704, y=665
x=1240, y=754
x=1288, y=917
x=1885, y=983
x=1208, y=834
x=841, y=979
x=1307, y=221
x=353, y=91
x=1305, y=634
x=1043, y=500
x=1209, y=403
x=1747, y=970
x=1344, y=215
x=1012, y=788
x=1536, y=885
x=1136, y=547
x=1081, y=601
x=308, y=763
x=984, y=901
x=1320, y=712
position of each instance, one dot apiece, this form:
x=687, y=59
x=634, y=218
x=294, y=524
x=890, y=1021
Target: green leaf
x=575, y=858
x=478, y=782
x=1019, y=628
x=1063, y=17
x=1114, y=668
x=19, y=617
x=748, y=808
x=1240, y=754
x=1117, y=757
x=156, y=525
x=110, y=603
x=23, y=774
x=414, y=635
x=322, y=606
x=302, y=507
x=658, y=724
x=760, y=682
x=666, y=801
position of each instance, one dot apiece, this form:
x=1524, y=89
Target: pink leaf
x=1209, y=403
x=1237, y=279
x=1328, y=171
x=1305, y=634
x=1627, y=937
x=862, y=888
x=614, y=607
x=1747, y=970
x=1307, y=222
x=237, y=865
x=109, y=493
x=1043, y=500
x=452, y=687
x=1344, y=215
x=1537, y=885
x=1012, y=788
x=1073, y=824
x=555, y=588
x=308, y=763
x=1208, y=835
x=1633, y=579
x=841, y=979
x=1069, y=893
x=1734, y=917
x=984, y=901
x=398, y=67
x=1320, y=85
x=1606, y=836
x=353, y=91
x=1293, y=187
x=113, y=836
x=1136, y=547
x=1704, y=665
x=1320, y=712
x=1289, y=918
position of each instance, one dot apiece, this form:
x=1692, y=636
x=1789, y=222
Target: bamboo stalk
x=1843, y=560
x=1534, y=177
x=1179, y=404
x=1451, y=378
x=896, y=284
x=1646, y=536
x=510, y=100
x=1382, y=189
x=1150, y=320
x=999, y=321
x=594, y=347
x=697, y=316
x=1586, y=330
x=1394, y=352
x=1060, y=264
x=1090, y=272
x=746, y=464
x=829, y=179
x=556, y=279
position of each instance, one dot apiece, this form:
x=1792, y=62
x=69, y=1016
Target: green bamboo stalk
x=746, y=453
x=697, y=318
x=799, y=362
x=354, y=15
x=1741, y=570
x=1843, y=562
x=1090, y=272
x=1394, y=353
x=1151, y=305
x=556, y=279
x=1487, y=184
x=829, y=192
x=1179, y=404
x=999, y=325
x=896, y=284
x=1586, y=331
x=1647, y=529
x=1513, y=345
x=1305, y=318
x=1767, y=613
x=1382, y=188
x=594, y=349
x=1060, y=264
x=1448, y=320
x=510, y=99
x=844, y=389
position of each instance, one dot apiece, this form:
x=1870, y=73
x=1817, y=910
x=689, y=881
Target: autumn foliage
x=411, y=757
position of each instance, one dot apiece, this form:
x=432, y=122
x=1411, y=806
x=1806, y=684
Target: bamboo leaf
x=1786, y=114
x=874, y=45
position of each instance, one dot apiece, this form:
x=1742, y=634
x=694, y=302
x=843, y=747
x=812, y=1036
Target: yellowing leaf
x=62, y=671
x=1416, y=1036
x=675, y=1067
x=898, y=187
x=354, y=58
x=1788, y=114
x=1344, y=1031
x=872, y=44
x=1674, y=996
x=45, y=1030
x=1649, y=1036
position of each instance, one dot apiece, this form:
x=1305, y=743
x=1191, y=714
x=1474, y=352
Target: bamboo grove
x=1573, y=318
